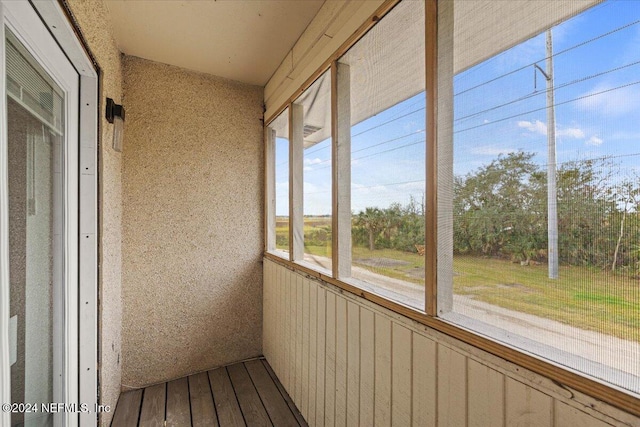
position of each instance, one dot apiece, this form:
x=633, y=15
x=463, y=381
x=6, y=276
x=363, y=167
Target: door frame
x=82, y=253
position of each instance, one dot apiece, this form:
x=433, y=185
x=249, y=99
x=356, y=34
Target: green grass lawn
x=415, y=263
x=402, y=272
x=583, y=297
x=324, y=251
x=586, y=298
x=282, y=234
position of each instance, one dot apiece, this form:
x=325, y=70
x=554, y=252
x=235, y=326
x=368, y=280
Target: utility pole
x=552, y=197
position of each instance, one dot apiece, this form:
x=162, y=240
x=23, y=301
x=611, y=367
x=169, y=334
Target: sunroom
x=320, y=212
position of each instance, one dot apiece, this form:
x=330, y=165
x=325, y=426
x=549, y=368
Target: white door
x=39, y=142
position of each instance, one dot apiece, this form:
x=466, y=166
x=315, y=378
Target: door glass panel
x=35, y=107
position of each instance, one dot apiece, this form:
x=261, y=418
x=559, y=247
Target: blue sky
x=387, y=162
x=595, y=116
x=597, y=97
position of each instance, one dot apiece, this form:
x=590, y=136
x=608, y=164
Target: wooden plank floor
x=243, y=394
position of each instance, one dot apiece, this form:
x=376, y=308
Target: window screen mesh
x=538, y=143
x=281, y=171
x=387, y=102
x=317, y=201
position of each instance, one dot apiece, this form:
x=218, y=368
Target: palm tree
x=372, y=220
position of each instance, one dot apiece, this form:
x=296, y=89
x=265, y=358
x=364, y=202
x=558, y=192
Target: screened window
x=383, y=78
x=545, y=191
x=278, y=184
x=312, y=136
x=530, y=193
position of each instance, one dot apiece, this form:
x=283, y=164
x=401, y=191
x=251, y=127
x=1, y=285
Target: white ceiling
x=242, y=40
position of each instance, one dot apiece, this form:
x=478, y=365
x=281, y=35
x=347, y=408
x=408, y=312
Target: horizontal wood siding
x=362, y=364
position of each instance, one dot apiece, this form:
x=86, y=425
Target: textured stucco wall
x=192, y=222
x=95, y=23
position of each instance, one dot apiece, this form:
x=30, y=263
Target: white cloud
x=536, y=127
x=594, y=140
x=383, y=196
x=410, y=126
x=571, y=133
x=541, y=129
x=308, y=161
x=488, y=150
x=610, y=100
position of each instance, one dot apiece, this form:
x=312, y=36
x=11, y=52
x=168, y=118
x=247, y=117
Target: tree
x=628, y=195
x=391, y=219
x=410, y=227
x=371, y=220
x=499, y=209
x=586, y=212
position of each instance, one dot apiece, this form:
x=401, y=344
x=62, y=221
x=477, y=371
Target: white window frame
x=82, y=221
x=270, y=149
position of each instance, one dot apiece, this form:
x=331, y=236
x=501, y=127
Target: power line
x=387, y=122
x=367, y=148
x=378, y=153
x=484, y=64
x=486, y=110
x=389, y=150
x=553, y=56
x=423, y=181
x=608, y=157
x=486, y=124
x=569, y=162
x=366, y=130
x=378, y=125
x=544, y=108
x=392, y=184
x=379, y=144
x=605, y=157
x=514, y=101
x=561, y=86
x=502, y=105
x=388, y=141
x=319, y=149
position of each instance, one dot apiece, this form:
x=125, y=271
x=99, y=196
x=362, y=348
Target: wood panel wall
x=346, y=362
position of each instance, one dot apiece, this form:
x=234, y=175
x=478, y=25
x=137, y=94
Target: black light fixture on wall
x=115, y=115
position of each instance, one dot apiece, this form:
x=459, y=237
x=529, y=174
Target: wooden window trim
x=431, y=161
x=357, y=35
x=607, y=393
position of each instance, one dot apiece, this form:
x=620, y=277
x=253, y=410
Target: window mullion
x=431, y=214
x=441, y=167
x=270, y=188
x=296, y=154
x=341, y=166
